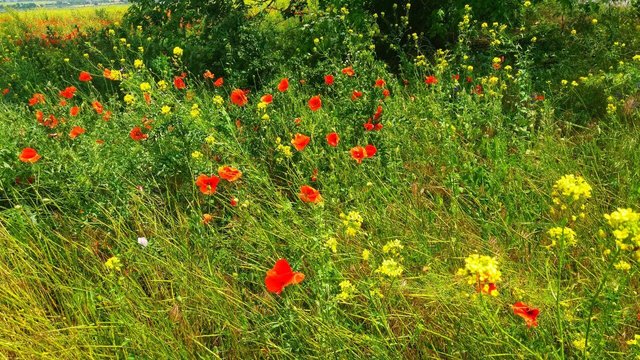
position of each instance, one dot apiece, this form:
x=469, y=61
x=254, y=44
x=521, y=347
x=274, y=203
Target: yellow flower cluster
x=390, y=268
x=352, y=222
x=347, y=290
x=113, y=264
x=626, y=229
x=481, y=270
x=285, y=150
x=570, y=192
x=332, y=244
x=562, y=234
x=392, y=247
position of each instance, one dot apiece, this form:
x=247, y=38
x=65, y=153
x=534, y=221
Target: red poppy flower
x=315, y=103
x=333, y=139
x=380, y=83
x=208, y=75
x=538, y=97
x=309, y=194
x=284, y=85
x=5, y=91
x=300, y=141
x=477, y=90
x=29, y=155
x=368, y=126
x=469, y=79
x=36, y=99
x=147, y=98
x=378, y=127
x=356, y=95
x=455, y=77
x=281, y=276
x=207, y=184
x=348, y=71
x=137, y=134
x=219, y=82
x=85, y=76
x=229, y=173
x=97, y=107
x=386, y=93
x=50, y=122
x=239, y=97
x=74, y=111
x=268, y=98
x=178, y=82
x=328, y=80
x=63, y=103
x=370, y=150
x=107, y=73
x=76, y=131
x=431, y=80
x=39, y=116
x=529, y=314
x=378, y=113
x=358, y=153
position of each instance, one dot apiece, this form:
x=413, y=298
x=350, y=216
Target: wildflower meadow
x=338, y=179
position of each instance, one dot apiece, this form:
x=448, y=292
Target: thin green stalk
x=558, y=309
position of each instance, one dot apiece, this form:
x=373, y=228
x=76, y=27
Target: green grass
x=455, y=174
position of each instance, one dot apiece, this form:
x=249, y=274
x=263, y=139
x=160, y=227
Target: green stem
x=558, y=309
x=594, y=298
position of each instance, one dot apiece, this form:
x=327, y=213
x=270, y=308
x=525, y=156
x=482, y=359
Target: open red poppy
x=85, y=76
x=229, y=173
x=309, y=194
x=239, y=97
x=333, y=139
x=207, y=184
x=76, y=131
x=29, y=155
x=300, y=141
x=137, y=134
x=529, y=314
x=315, y=103
x=283, y=85
x=281, y=276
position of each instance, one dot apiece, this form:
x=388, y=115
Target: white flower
x=143, y=241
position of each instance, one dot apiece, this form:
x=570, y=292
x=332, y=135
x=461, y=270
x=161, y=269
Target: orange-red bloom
x=229, y=173
x=300, y=141
x=431, y=80
x=97, y=107
x=356, y=95
x=386, y=93
x=137, y=134
x=208, y=75
x=268, y=98
x=309, y=194
x=358, y=153
x=283, y=85
x=85, y=76
x=370, y=150
x=315, y=103
x=76, y=131
x=207, y=184
x=74, y=111
x=219, y=82
x=280, y=276
x=36, y=99
x=328, y=79
x=333, y=139
x=348, y=71
x=29, y=155
x=178, y=82
x=529, y=314
x=239, y=97
x=380, y=83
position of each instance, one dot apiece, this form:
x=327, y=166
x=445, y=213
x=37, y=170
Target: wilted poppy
x=378, y=113
x=229, y=173
x=315, y=103
x=85, y=76
x=386, y=93
x=283, y=85
x=358, y=153
x=309, y=194
x=348, y=71
x=137, y=134
x=333, y=139
x=234, y=201
x=178, y=82
x=206, y=218
x=39, y=116
x=74, y=111
x=300, y=141
x=529, y=314
x=268, y=98
x=207, y=184
x=280, y=276
x=239, y=97
x=431, y=80
x=50, y=122
x=29, y=155
x=208, y=75
x=328, y=80
x=356, y=95
x=76, y=131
